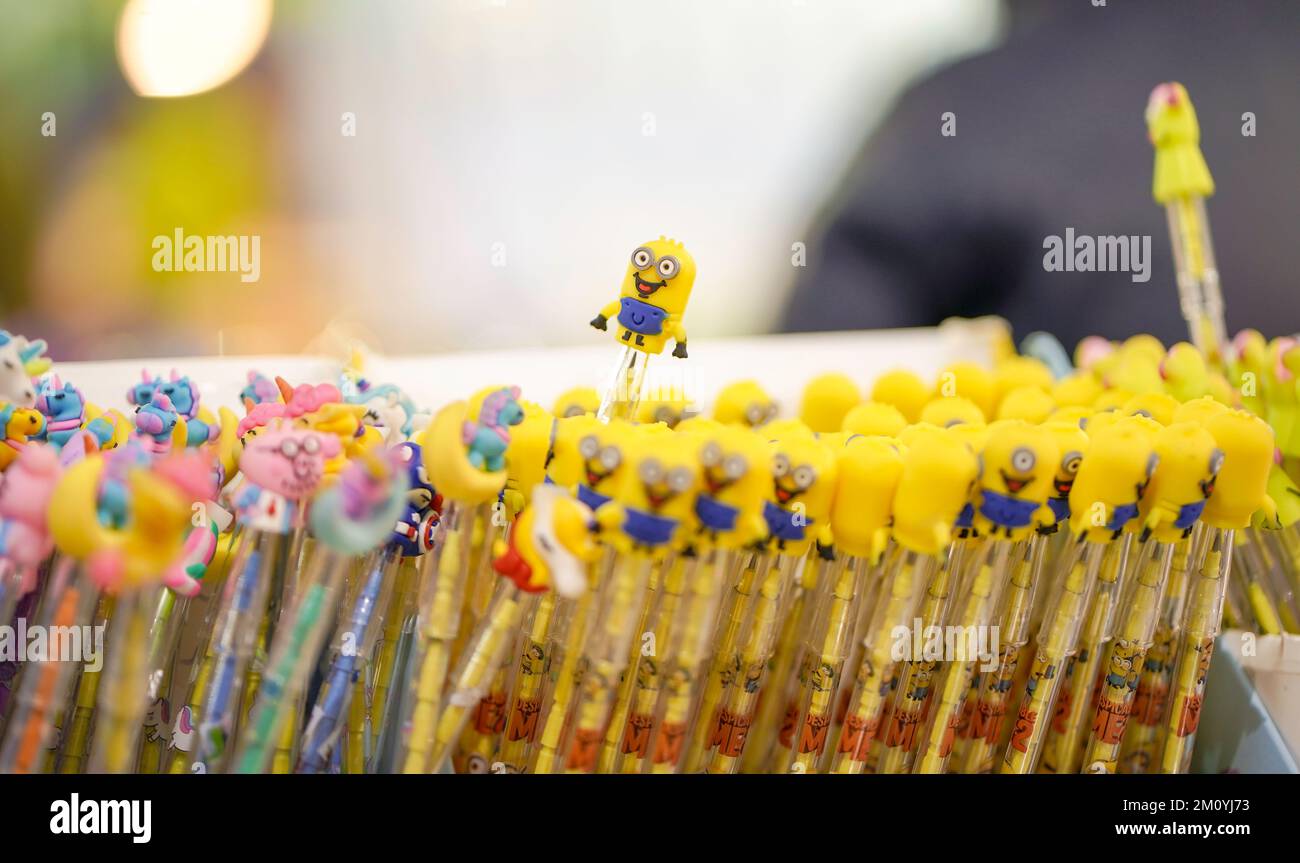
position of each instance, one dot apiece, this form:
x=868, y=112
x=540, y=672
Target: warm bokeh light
x=182, y=47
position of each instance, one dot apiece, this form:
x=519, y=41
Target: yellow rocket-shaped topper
x=653, y=298
x=1176, y=135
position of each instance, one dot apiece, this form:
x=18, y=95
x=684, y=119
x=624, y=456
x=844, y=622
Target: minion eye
x=651, y=470
x=668, y=266
x=780, y=466
x=711, y=454
x=734, y=467
x=589, y=446
x=289, y=448
x=679, y=479
x=1216, y=462
x=1023, y=459
x=754, y=414
x=610, y=457
x=1152, y=461
x=311, y=446
x=1071, y=462
x=642, y=258
x=804, y=476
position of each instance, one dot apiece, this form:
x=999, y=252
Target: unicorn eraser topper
x=20, y=361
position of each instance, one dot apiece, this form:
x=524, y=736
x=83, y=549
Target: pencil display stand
x=1251, y=720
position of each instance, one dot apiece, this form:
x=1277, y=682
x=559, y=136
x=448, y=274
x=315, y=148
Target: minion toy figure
x=862, y=510
x=1072, y=442
x=655, y=495
x=1122, y=459
x=803, y=485
x=734, y=483
x=653, y=298
x=938, y=477
x=744, y=403
x=1189, y=463
x=587, y=457
x=1019, y=466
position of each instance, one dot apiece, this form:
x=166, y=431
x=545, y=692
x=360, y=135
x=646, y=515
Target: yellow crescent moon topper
x=652, y=301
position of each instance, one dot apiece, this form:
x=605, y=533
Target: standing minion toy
x=653, y=298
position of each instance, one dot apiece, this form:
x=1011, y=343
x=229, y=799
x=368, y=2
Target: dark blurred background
x=460, y=174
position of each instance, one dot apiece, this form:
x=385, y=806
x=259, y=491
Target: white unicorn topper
x=20, y=361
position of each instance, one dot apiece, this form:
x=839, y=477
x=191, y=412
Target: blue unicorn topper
x=488, y=438
x=20, y=361
x=64, y=409
x=182, y=393
x=155, y=423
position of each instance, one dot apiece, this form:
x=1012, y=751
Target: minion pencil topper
x=653, y=298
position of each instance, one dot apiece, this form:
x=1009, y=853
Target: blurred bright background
x=505, y=158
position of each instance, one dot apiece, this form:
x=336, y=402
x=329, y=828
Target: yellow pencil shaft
x=978, y=738
x=737, y=711
x=442, y=589
x=777, y=708
x=1140, y=747
x=981, y=600
x=76, y=735
x=1200, y=628
x=1124, y=660
x=574, y=640
x=606, y=658
x=726, y=661
x=123, y=696
x=898, y=742
x=1063, y=748
x=1057, y=641
x=481, y=661
x=686, y=664
x=1200, y=296
x=1263, y=605
x=525, y=705
x=610, y=759
x=654, y=652
x=899, y=596
x=821, y=669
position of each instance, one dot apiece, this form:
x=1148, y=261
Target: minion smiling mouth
x=1063, y=486
x=1207, y=486
x=716, y=485
x=657, y=499
x=1015, y=484
x=783, y=494
x=645, y=288
x=594, y=477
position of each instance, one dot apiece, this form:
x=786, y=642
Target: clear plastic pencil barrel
x=904, y=583
x=1057, y=642
x=1140, y=612
x=1201, y=621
